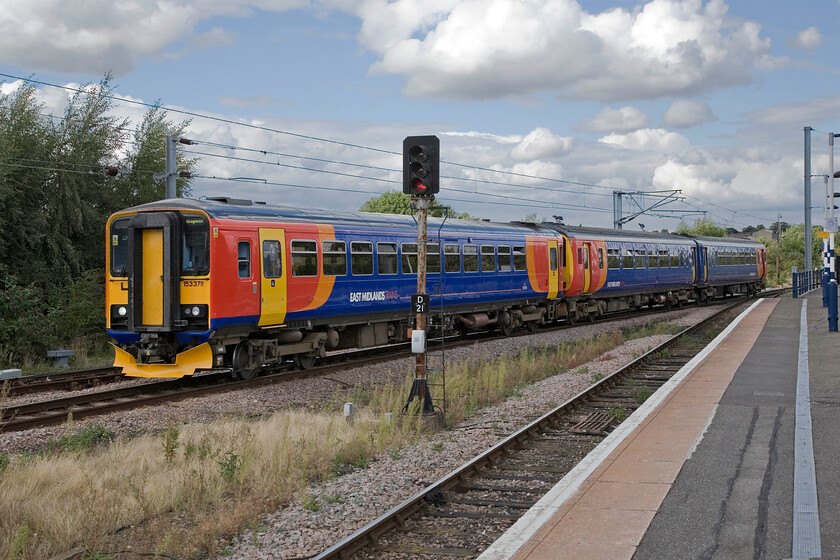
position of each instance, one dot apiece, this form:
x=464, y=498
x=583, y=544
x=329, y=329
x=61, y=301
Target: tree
x=393, y=202
x=702, y=227
x=56, y=201
x=148, y=158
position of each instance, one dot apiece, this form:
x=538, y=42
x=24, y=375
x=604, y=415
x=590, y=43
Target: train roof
x=241, y=209
x=581, y=232
x=727, y=241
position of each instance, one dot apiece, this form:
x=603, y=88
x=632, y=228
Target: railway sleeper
x=429, y=551
x=492, y=503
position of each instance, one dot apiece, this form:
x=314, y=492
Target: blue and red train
x=195, y=284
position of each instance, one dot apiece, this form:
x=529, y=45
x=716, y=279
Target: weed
x=85, y=439
x=515, y=392
x=632, y=383
x=20, y=542
x=230, y=465
x=643, y=394
x=619, y=413
x=164, y=544
x=309, y=502
x=598, y=377
x=334, y=498
x=170, y=441
x=583, y=370
x=437, y=446
x=395, y=454
x=4, y=460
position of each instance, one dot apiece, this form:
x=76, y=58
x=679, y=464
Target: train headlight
x=122, y=311
x=187, y=311
x=195, y=311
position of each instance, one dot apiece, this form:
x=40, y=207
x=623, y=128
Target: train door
x=760, y=263
x=151, y=280
x=587, y=273
x=695, y=266
x=153, y=271
x=274, y=271
x=705, y=264
x=553, y=269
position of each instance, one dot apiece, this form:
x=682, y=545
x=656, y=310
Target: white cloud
x=484, y=49
x=649, y=139
x=806, y=40
x=541, y=143
x=456, y=49
x=810, y=111
x=625, y=119
x=686, y=113
x=101, y=35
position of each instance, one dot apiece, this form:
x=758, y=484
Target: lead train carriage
x=193, y=284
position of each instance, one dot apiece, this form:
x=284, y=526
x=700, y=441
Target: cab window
x=119, y=247
x=195, y=245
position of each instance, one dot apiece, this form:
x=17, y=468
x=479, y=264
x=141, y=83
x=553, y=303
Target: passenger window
x=433, y=258
x=243, y=256
x=409, y=258
x=675, y=259
x=452, y=258
x=304, y=258
x=470, y=258
x=519, y=259
x=653, y=259
x=552, y=258
x=627, y=259
x=488, y=258
x=504, y=259
x=640, y=258
x=361, y=258
x=335, y=258
x=600, y=258
x=386, y=258
x=613, y=260
x=272, y=259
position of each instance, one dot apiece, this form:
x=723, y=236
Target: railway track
x=64, y=380
x=463, y=513
x=55, y=411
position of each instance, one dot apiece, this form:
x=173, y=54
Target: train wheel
x=532, y=326
x=505, y=323
x=571, y=318
x=302, y=361
x=243, y=363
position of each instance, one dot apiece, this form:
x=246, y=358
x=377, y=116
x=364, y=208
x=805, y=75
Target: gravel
x=351, y=501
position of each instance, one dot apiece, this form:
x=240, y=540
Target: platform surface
x=714, y=467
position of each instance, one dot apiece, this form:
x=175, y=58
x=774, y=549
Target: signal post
x=421, y=180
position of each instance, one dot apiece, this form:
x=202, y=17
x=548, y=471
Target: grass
x=183, y=490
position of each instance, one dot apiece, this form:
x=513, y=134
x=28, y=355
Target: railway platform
x=736, y=457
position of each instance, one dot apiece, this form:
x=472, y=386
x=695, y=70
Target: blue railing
x=806, y=281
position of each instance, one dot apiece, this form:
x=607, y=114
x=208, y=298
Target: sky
x=543, y=107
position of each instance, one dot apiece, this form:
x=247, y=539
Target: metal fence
x=805, y=281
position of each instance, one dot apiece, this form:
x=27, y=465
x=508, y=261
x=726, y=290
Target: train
x=194, y=284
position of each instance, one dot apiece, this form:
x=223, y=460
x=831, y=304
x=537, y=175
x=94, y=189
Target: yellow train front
x=158, y=292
